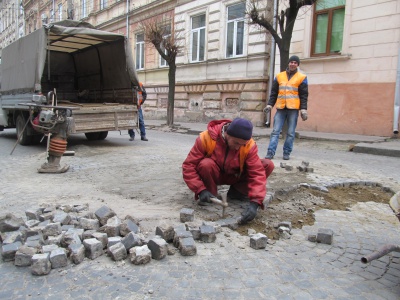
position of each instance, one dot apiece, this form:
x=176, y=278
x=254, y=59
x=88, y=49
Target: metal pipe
x=396, y=108
x=380, y=252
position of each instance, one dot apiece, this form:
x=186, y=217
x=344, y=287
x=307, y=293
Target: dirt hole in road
x=298, y=206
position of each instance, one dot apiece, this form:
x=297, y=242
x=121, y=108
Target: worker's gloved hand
x=249, y=213
x=304, y=114
x=204, y=197
x=267, y=108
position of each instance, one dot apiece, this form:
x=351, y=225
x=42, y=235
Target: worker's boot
x=233, y=194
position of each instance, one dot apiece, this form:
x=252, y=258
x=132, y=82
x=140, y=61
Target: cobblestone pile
x=52, y=237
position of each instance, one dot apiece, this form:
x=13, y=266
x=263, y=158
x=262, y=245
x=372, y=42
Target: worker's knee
x=268, y=166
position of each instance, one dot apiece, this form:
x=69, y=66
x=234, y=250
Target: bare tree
x=162, y=36
x=285, y=21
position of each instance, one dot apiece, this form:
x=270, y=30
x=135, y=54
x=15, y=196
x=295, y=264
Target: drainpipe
x=272, y=52
x=127, y=19
x=397, y=98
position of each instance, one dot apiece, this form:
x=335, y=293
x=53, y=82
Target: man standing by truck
x=142, y=97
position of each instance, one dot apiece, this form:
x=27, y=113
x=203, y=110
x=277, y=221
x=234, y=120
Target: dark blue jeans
x=141, y=125
x=291, y=115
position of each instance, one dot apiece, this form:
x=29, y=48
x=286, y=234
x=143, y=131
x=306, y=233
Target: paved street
x=106, y=172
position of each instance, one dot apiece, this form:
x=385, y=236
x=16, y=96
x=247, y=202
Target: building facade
x=349, y=50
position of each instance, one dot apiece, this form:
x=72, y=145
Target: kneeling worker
x=225, y=154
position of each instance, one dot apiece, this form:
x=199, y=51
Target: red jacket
x=253, y=167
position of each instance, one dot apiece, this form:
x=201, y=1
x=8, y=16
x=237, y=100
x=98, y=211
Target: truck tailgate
x=92, y=117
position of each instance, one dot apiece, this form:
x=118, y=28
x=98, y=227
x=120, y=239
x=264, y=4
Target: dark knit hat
x=241, y=129
x=295, y=58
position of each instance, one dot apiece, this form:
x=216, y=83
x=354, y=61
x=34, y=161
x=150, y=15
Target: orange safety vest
x=209, y=146
x=288, y=95
x=140, y=95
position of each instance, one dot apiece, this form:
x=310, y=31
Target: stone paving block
x=231, y=223
x=78, y=231
x=131, y=240
x=77, y=253
x=61, y=217
x=70, y=237
x=67, y=227
x=158, y=247
x=12, y=237
x=187, y=246
x=49, y=248
x=216, y=226
x=207, y=233
x=58, y=258
x=140, y=255
x=127, y=226
x=179, y=234
x=103, y=214
x=166, y=232
x=46, y=216
x=93, y=248
x=289, y=168
x=35, y=241
x=325, y=236
x=312, y=238
x=41, y=264
x=52, y=229
x=186, y=215
x=112, y=226
x=9, y=222
x=33, y=213
x=23, y=257
x=55, y=240
x=113, y=240
x=194, y=228
x=171, y=249
x=89, y=224
x=258, y=241
x=287, y=224
x=102, y=237
x=88, y=234
x=117, y=252
x=31, y=223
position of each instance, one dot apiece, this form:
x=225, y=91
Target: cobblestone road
x=226, y=269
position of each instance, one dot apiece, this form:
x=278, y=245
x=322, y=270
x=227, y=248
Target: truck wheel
x=102, y=135
x=25, y=139
x=92, y=136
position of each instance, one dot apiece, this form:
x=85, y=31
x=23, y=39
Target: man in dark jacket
x=290, y=94
x=142, y=97
x=225, y=154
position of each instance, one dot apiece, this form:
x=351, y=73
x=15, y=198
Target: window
x=60, y=15
x=328, y=26
x=83, y=7
x=235, y=30
x=166, y=35
x=197, y=37
x=140, y=51
x=51, y=16
x=103, y=4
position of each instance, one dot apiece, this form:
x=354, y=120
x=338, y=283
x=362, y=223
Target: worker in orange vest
x=226, y=154
x=142, y=97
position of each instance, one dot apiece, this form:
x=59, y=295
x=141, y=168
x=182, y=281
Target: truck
x=67, y=78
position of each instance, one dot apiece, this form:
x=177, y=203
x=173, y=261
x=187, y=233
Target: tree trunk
x=171, y=94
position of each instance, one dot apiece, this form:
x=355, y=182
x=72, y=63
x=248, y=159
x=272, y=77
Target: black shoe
x=132, y=138
x=269, y=156
x=286, y=156
x=234, y=194
x=144, y=138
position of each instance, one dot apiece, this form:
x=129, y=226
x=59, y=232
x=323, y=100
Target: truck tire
x=92, y=136
x=102, y=135
x=25, y=139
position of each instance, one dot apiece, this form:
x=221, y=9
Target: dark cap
x=295, y=58
x=241, y=129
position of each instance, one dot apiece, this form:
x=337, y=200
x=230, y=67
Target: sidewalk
x=377, y=145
